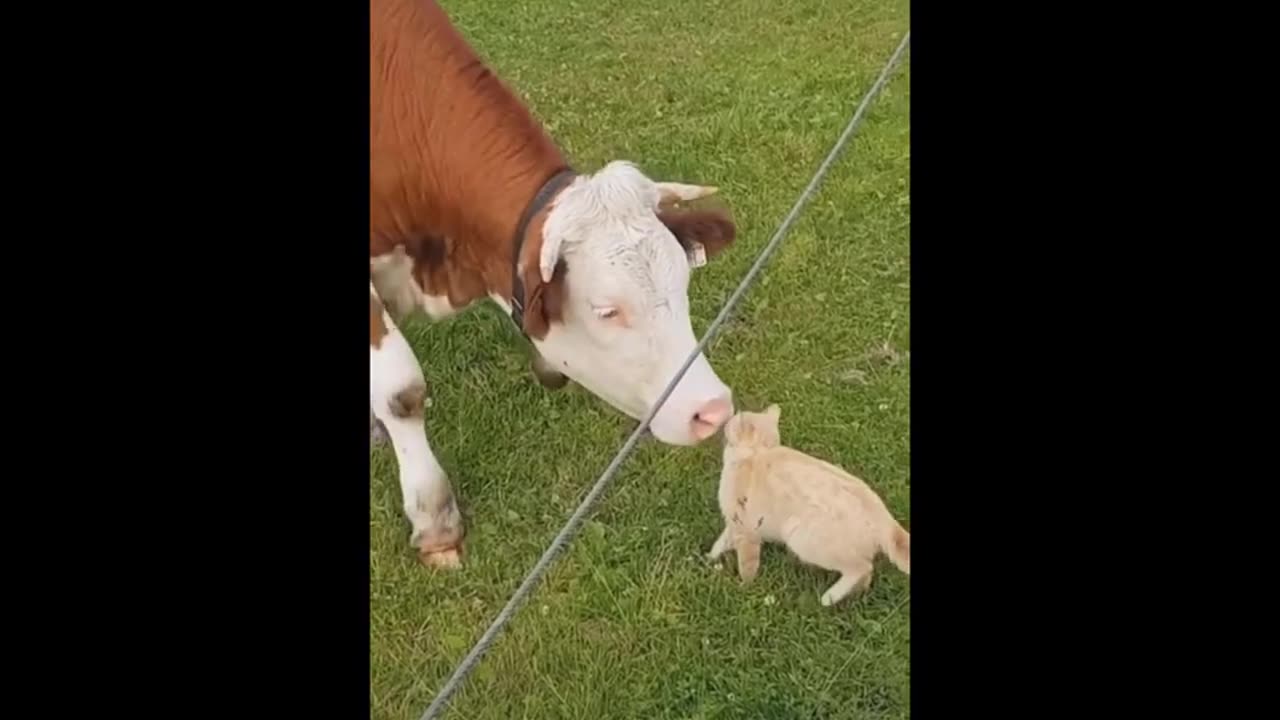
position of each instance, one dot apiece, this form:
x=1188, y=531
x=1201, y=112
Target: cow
x=470, y=199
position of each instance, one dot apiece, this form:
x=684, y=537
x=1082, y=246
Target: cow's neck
x=471, y=157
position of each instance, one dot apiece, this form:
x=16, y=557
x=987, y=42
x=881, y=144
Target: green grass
x=630, y=623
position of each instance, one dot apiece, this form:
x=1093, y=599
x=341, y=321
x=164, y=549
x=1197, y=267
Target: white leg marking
x=396, y=390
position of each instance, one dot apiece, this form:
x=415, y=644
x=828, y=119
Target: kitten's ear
x=773, y=411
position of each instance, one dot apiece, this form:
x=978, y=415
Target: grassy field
x=631, y=623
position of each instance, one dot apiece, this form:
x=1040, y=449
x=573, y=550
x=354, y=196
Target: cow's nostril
x=708, y=419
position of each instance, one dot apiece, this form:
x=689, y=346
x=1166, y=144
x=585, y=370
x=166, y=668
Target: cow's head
x=608, y=304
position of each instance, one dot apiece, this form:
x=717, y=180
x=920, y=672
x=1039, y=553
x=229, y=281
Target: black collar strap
x=540, y=199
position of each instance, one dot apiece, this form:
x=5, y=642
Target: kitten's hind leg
x=722, y=543
x=856, y=577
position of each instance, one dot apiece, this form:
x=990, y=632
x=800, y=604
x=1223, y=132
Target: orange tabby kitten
x=827, y=517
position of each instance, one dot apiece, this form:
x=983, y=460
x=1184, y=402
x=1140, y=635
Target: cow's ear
x=546, y=301
x=702, y=233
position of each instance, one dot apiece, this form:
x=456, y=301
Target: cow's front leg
x=397, y=392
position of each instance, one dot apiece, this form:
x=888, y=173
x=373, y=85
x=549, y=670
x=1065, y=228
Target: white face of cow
x=625, y=328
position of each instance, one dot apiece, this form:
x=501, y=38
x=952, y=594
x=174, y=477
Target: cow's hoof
x=438, y=535
x=441, y=548
x=378, y=433
x=548, y=377
x=446, y=558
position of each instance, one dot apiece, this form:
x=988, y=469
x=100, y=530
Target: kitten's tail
x=898, y=546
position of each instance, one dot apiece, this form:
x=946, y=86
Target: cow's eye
x=606, y=313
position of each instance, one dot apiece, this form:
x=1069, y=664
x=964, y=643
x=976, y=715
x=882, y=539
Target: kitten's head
x=748, y=429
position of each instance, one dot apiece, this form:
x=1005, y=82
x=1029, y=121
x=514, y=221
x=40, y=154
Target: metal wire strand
x=571, y=527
